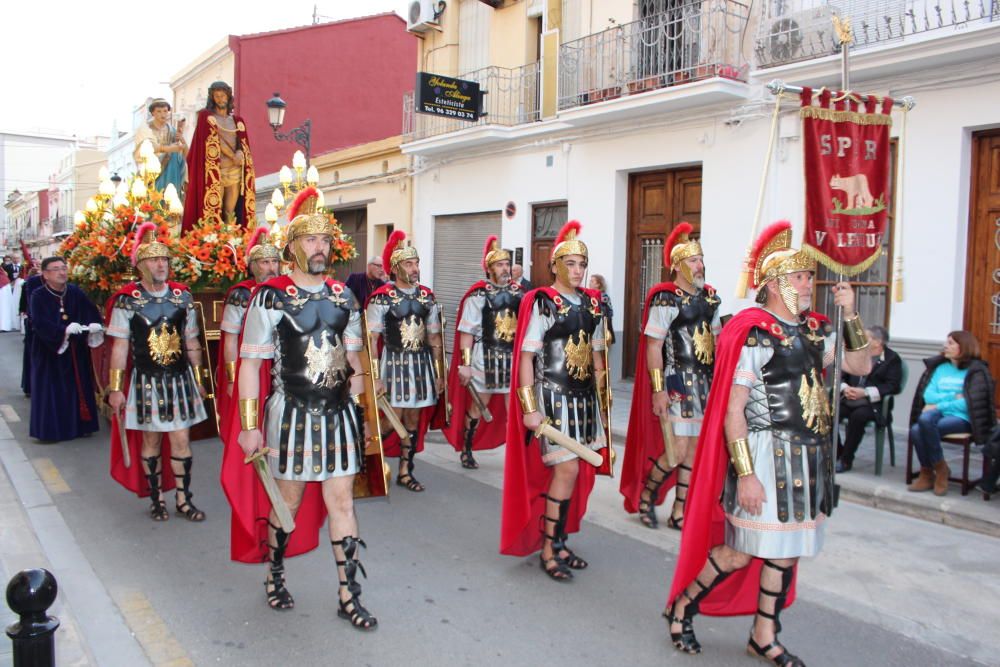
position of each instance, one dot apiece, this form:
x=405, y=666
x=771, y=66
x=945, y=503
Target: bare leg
x=181, y=462
x=151, y=466
x=775, y=582
x=556, y=557
x=722, y=561
x=686, y=448
x=338, y=495
x=278, y=596
x=230, y=196
x=658, y=474
x=471, y=422
x=411, y=420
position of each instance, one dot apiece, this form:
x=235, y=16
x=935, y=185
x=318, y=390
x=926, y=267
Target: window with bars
x=872, y=287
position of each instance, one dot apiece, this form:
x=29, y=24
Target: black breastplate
x=500, y=316
x=566, y=359
x=691, y=330
x=157, y=330
x=793, y=379
x=313, y=360
x=405, y=326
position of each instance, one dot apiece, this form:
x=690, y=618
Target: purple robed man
x=65, y=324
x=30, y=285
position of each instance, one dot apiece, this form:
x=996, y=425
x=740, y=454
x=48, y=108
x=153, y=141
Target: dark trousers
x=857, y=418
x=926, y=435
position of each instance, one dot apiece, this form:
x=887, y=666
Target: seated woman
x=955, y=395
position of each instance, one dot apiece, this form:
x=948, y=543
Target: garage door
x=458, y=248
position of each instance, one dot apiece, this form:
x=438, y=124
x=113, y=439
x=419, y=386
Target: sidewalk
x=887, y=492
x=33, y=534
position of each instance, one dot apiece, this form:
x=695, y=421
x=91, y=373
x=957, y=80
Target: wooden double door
x=982, y=274
x=658, y=201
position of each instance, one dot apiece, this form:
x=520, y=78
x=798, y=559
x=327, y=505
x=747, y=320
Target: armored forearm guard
x=116, y=379
x=739, y=454
x=248, y=413
x=855, y=336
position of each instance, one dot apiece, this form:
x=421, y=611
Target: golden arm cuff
x=116, y=379
x=231, y=371
x=656, y=379
x=199, y=374
x=855, y=336
x=466, y=356
x=739, y=454
x=248, y=413
x=527, y=397
x=437, y=353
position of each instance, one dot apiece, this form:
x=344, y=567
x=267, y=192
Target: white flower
x=211, y=238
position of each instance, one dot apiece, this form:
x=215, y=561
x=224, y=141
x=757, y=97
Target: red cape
x=431, y=417
x=525, y=478
x=201, y=177
x=488, y=436
x=221, y=379
x=250, y=504
x=644, y=439
x=133, y=478
x=704, y=518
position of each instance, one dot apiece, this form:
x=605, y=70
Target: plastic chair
x=881, y=431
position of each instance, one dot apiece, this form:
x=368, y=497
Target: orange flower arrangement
x=211, y=256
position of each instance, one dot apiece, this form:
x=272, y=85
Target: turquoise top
x=945, y=391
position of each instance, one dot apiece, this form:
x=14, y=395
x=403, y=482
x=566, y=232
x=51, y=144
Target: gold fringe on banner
x=855, y=117
x=835, y=266
x=897, y=241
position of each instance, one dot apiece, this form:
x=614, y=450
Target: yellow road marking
x=151, y=632
x=9, y=414
x=49, y=474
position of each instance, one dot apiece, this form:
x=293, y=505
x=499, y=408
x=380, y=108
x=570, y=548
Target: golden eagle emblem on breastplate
x=505, y=325
x=413, y=333
x=325, y=362
x=579, y=356
x=704, y=343
x=164, y=345
x=815, y=406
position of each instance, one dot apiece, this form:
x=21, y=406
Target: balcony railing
x=61, y=224
x=692, y=41
x=511, y=99
x=803, y=29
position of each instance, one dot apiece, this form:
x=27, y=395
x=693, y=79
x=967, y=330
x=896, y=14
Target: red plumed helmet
x=487, y=248
x=397, y=237
x=255, y=239
x=144, y=228
x=680, y=234
x=569, y=232
x=299, y=203
x=776, y=236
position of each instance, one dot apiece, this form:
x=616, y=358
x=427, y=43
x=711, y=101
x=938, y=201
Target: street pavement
x=888, y=589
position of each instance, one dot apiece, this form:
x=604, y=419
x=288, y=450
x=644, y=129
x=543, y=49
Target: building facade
x=660, y=115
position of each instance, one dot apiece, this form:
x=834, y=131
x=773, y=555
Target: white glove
x=74, y=328
x=95, y=327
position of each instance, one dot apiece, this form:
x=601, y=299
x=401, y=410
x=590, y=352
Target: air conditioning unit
x=422, y=15
x=797, y=36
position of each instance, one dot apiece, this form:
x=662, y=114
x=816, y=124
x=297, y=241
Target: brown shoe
x=941, y=474
x=923, y=482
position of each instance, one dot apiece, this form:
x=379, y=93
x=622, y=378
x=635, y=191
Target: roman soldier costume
x=488, y=313
x=405, y=318
x=562, y=331
x=236, y=302
x=687, y=324
x=788, y=448
x=314, y=429
x=161, y=387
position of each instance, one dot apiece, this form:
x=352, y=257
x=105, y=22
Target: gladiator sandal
x=553, y=566
x=650, y=491
x=676, y=520
x=185, y=508
x=467, y=459
x=345, y=551
x=572, y=561
x=157, y=509
x=784, y=658
x=407, y=479
x=278, y=597
x=685, y=640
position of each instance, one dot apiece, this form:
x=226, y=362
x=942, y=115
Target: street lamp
x=276, y=117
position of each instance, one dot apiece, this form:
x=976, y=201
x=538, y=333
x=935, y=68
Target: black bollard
x=29, y=594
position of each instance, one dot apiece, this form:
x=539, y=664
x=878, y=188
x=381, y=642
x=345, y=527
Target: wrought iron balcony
x=803, y=29
x=692, y=41
x=511, y=99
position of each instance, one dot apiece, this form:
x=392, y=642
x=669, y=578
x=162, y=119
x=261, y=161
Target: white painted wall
x=591, y=173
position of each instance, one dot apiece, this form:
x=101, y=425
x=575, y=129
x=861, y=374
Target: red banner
x=847, y=178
